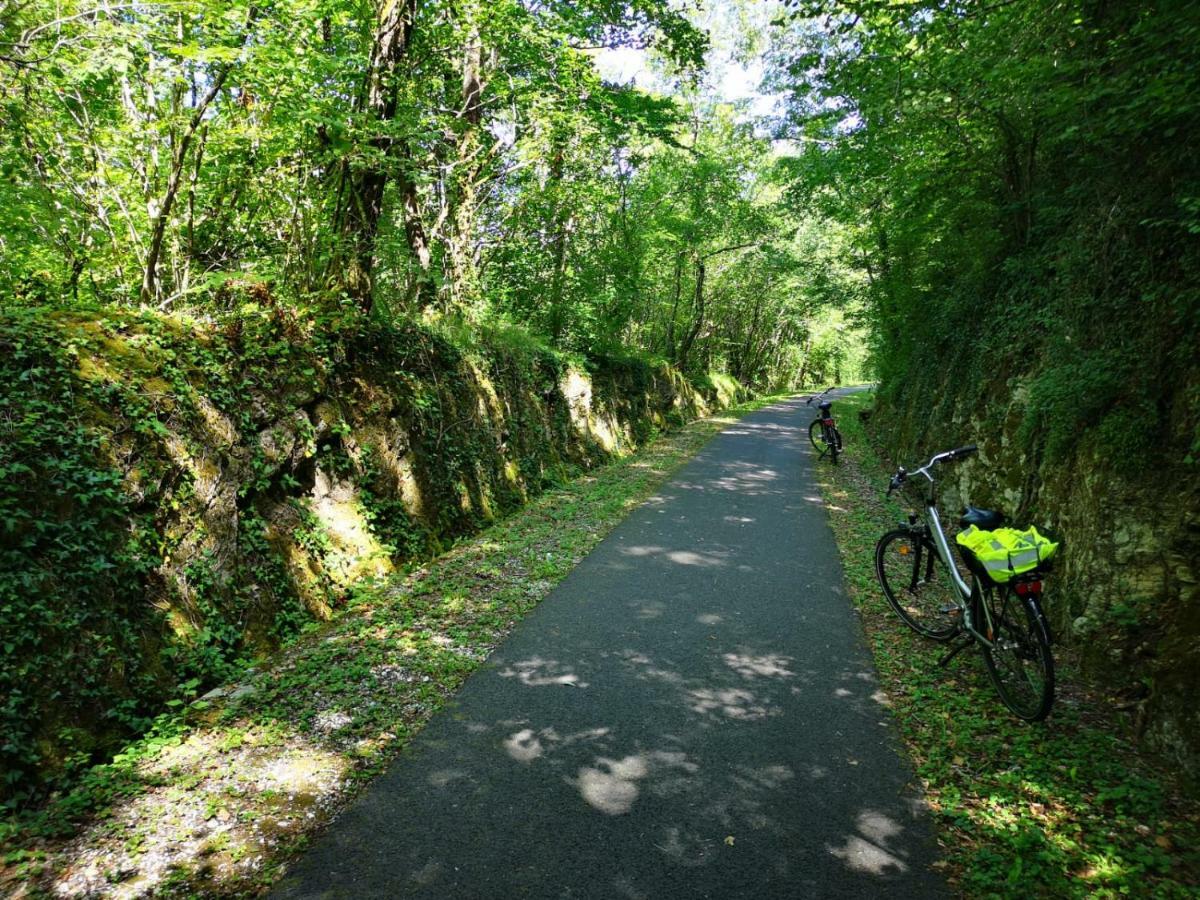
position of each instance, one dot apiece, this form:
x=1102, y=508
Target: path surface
x=691, y=713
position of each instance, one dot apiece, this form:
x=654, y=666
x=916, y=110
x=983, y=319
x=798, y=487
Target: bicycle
x=924, y=586
x=822, y=432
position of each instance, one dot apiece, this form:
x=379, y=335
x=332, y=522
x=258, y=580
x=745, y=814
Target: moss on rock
x=179, y=495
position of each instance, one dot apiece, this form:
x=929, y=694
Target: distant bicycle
x=1000, y=611
x=823, y=432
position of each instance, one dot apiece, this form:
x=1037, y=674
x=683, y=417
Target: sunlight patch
x=524, y=746
x=733, y=703
x=863, y=856
x=691, y=558
x=609, y=785
x=866, y=853
x=538, y=672
x=770, y=665
x=609, y=792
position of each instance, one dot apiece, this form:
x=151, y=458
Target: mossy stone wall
x=178, y=495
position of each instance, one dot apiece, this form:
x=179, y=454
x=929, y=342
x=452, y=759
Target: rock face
x=1125, y=588
x=181, y=494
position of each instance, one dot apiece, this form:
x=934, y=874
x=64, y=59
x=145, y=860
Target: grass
x=216, y=799
x=1066, y=808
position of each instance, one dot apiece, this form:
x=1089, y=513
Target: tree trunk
x=559, y=222
x=675, y=304
x=162, y=215
x=697, y=318
x=365, y=186
x=421, y=292
x=558, y=313
x=804, y=353
x=463, y=189
x=158, y=226
x=699, y=300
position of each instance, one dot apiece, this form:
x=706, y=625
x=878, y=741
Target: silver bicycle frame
x=943, y=548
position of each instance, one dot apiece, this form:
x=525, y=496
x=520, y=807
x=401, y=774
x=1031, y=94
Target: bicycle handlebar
x=897, y=480
x=813, y=397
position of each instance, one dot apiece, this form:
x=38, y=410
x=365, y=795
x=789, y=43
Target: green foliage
x=69, y=530
x=391, y=520
x=1072, y=399
x=187, y=159
x=157, y=152
x=1017, y=182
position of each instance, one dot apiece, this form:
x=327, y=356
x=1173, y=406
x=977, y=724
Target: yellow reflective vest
x=1007, y=552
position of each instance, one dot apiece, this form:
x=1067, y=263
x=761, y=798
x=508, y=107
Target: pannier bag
x=1007, y=552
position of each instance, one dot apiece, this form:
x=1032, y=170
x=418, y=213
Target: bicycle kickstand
x=954, y=651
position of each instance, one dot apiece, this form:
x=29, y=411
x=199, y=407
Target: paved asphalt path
x=691, y=713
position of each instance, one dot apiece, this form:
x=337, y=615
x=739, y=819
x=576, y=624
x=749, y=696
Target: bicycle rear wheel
x=835, y=444
x=916, y=584
x=1019, y=661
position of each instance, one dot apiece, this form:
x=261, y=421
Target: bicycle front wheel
x=1019, y=660
x=916, y=584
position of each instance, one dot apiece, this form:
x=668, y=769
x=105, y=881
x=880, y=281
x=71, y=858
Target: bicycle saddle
x=825, y=405
x=985, y=519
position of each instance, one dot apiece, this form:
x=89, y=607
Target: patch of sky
x=734, y=69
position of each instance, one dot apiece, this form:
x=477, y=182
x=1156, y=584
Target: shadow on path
x=691, y=713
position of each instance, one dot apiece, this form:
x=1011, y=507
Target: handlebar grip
x=963, y=451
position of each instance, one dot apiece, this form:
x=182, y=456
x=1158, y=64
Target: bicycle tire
x=835, y=444
x=816, y=435
x=1020, y=663
x=916, y=584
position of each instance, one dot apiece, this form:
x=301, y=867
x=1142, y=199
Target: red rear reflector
x=1025, y=588
x=827, y=422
